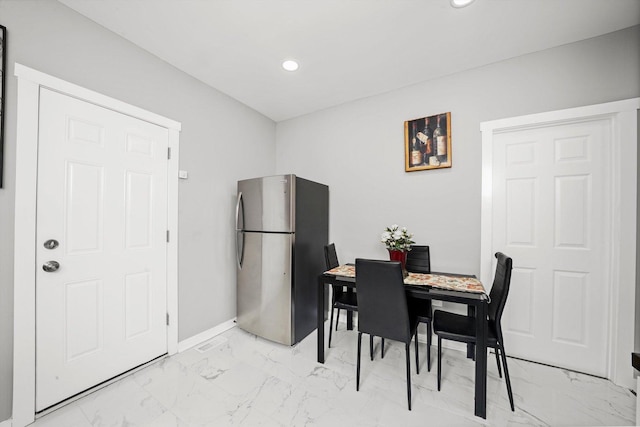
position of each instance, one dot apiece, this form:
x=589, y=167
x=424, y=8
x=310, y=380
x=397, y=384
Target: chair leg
x=358, y=362
x=498, y=362
x=429, y=346
x=337, y=318
x=439, y=360
x=371, y=346
x=331, y=324
x=506, y=376
x=382, y=349
x=417, y=356
x=406, y=348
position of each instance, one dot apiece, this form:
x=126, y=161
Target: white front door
x=102, y=196
x=551, y=207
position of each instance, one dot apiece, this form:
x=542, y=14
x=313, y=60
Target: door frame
x=623, y=174
x=24, y=349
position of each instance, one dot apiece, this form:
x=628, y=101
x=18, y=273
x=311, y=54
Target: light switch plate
x=183, y=174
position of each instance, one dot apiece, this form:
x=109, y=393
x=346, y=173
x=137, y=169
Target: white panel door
x=102, y=195
x=551, y=201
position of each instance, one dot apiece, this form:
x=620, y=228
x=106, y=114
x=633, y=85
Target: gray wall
x=214, y=148
x=357, y=148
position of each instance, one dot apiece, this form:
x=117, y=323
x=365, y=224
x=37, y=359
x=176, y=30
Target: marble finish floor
x=242, y=380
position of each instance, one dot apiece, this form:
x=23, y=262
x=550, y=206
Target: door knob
x=51, y=244
x=51, y=266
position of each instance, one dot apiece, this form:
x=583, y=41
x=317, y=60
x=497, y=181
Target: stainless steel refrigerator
x=282, y=225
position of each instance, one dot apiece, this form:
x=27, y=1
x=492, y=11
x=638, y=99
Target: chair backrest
x=330, y=256
x=500, y=288
x=382, y=302
x=418, y=260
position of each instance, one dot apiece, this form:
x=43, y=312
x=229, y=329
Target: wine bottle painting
x=427, y=143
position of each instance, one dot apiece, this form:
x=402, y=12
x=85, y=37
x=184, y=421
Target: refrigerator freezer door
x=264, y=286
x=265, y=204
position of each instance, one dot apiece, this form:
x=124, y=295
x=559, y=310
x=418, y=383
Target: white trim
x=622, y=217
x=206, y=335
x=637, y=402
x=6, y=423
x=623, y=256
x=24, y=255
x=172, y=246
x=560, y=115
x=54, y=83
x=29, y=83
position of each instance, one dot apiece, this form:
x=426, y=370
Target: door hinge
x=167, y=235
x=167, y=319
x=168, y=152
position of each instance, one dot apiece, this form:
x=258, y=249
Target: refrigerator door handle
x=239, y=248
x=238, y=207
x=239, y=232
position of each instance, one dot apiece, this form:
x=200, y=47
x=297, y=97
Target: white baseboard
x=5, y=423
x=202, y=337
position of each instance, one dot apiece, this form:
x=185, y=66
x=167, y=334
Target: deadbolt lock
x=51, y=244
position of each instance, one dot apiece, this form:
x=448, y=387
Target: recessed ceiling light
x=290, y=65
x=461, y=3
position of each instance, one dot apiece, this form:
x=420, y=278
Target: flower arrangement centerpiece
x=398, y=241
x=397, y=238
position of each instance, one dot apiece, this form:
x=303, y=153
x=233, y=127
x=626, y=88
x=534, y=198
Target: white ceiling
x=347, y=49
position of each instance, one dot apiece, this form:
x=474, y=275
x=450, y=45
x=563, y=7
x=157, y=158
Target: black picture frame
x=3, y=69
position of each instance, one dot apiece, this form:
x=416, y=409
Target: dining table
x=450, y=287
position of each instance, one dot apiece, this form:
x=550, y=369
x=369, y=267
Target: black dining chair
x=461, y=328
x=419, y=261
x=383, y=309
x=340, y=299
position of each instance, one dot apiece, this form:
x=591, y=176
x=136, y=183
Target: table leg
x=320, y=326
x=349, y=313
x=471, y=348
x=481, y=360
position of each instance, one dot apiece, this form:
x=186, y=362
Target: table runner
x=456, y=283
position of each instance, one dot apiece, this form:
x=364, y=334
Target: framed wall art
x=427, y=143
x=3, y=68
